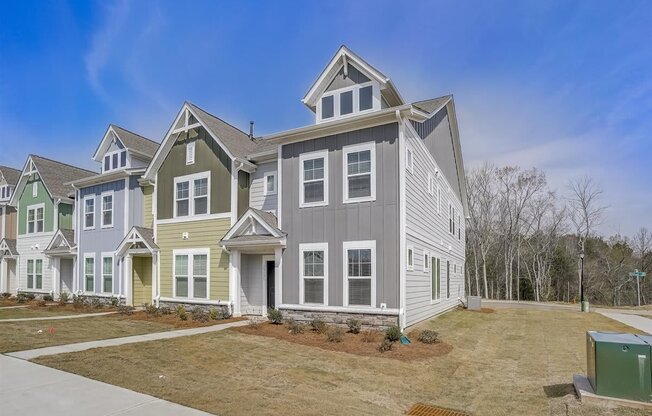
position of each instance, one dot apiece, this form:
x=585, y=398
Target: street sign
x=638, y=274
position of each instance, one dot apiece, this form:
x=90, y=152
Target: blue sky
x=564, y=86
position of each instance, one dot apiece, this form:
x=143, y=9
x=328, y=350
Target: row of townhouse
x=359, y=215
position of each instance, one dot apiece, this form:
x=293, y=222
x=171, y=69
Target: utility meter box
x=618, y=365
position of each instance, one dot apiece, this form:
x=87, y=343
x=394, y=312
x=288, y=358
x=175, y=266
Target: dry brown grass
x=511, y=362
x=34, y=311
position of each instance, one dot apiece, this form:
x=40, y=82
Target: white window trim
x=410, y=249
x=361, y=245
x=102, y=195
x=371, y=146
x=409, y=159
x=313, y=247
x=108, y=255
x=427, y=259
x=110, y=154
x=265, y=190
x=375, y=101
x=191, y=194
x=34, y=260
x=433, y=260
x=190, y=152
x=191, y=278
x=34, y=189
x=87, y=197
x=309, y=156
x=438, y=199
x=89, y=256
x=34, y=207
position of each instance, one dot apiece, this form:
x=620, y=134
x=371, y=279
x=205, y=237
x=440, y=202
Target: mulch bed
x=352, y=343
x=173, y=319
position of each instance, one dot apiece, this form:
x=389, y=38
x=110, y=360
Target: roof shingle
x=135, y=141
x=56, y=174
x=11, y=175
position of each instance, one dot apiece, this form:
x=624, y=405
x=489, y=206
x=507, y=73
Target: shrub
x=115, y=301
x=428, y=336
x=335, y=334
x=78, y=302
x=385, y=345
x=41, y=303
x=48, y=298
x=368, y=336
x=275, y=316
x=5, y=295
x=393, y=333
x=181, y=313
x=64, y=297
x=214, y=314
x=96, y=303
x=225, y=313
x=151, y=310
x=165, y=310
x=253, y=324
x=354, y=325
x=21, y=298
x=295, y=327
x=200, y=315
x=318, y=325
x=125, y=310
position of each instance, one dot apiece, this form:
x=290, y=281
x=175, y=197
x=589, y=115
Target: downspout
x=402, y=221
x=231, y=305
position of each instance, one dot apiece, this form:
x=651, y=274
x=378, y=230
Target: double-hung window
x=360, y=272
x=35, y=274
x=359, y=162
x=313, y=189
x=89, y=273
x=435, y=279
x=448, y=279
x=191, y=195
x=313, y=270
x=269, y=184
x=107, y=273
x=107, y=210
x=89, y=212
x=35, y=219
x=191, y=274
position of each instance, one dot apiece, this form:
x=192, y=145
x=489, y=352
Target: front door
x=66, y=267
x=271, y=285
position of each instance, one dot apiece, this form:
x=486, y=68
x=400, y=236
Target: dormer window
x=348, y=101
x=5, y=191
x=115, y=160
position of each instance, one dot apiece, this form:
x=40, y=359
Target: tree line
x=524, y=240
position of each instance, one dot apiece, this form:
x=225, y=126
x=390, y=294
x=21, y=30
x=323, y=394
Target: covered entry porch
x=63, y=252
x=138, y=254
x=8, y=261
x=255, y=247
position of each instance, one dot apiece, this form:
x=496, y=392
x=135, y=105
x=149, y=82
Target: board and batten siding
x=427, y=230
x=257, y=197
x=148, y=216
x=251, y=286
x=209, y=156
x=337, y=222
x=142, y=280
x=9, y=222
x=27, y=199
x=201, y=234
x=65, y=216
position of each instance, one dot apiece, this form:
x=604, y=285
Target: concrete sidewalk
x=82, y=346
x=31, y=389
x=639, y=322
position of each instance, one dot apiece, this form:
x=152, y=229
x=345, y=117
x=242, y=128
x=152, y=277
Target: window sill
x=104, y=227
x=356, y=200
x=313, y=205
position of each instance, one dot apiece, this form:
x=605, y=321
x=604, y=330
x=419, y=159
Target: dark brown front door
x=271, y=285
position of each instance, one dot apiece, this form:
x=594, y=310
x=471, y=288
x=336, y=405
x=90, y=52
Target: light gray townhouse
x=8, y=227
x=108, y=206
x=359, y=215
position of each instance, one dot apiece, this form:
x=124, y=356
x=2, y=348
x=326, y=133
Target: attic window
x=347, y=101
x=327, y=107
x=190, y=153
x=115, y=160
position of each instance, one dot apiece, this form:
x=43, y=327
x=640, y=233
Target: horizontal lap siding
x=26, y=249
x=202, y=234
x=428, y=230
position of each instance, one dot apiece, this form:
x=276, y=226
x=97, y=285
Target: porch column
x=56, y=274
x=234, y=284
x=4, y=275
x=278, y=277
x=154, y=282
x=75, y=274
x=129, y=271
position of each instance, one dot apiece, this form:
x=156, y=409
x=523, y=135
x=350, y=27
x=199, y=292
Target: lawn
x=509, y=362
x=43, y=311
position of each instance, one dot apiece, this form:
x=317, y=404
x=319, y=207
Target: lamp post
x=584, y=306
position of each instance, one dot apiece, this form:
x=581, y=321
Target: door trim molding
x=265, y=260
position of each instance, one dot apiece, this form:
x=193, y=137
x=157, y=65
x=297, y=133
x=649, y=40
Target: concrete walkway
x=12, y=307
x=639, y=322
x=31, y=389
x=82, y=346
x=54, y=318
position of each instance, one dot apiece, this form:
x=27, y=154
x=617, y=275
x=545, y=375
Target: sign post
x=638, y=276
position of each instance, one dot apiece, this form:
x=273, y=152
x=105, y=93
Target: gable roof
x=433, y=105
x=132, y=141
x=11, y=175
x=54, y=175
x=64, y=237
x=9, y=245
x=266, y=220
x=236, y=143
x=137, y=235
x=342, y=57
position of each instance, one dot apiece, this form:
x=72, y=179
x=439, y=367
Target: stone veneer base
x=368, y=320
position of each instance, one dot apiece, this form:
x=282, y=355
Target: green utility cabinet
x=618, y=365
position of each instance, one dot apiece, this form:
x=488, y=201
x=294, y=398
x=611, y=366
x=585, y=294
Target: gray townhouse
x=360, y=214
x=8, y=227
x=108, y=206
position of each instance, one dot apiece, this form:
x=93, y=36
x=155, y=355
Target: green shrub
x=165, y=310
x=335, y=334
x=225, y=313
x=428, y=336
x=96, y=303
x=393, y=333
x=125, y=310
x=64, y=297
x=25, y=297
x=295, y=327
x=385, y=345
x=318, y=325
x=275, y=316
x=181, y=313
x=115, y=301
x=214, y=314
x=152, y=310
x=48, y=298
x=354, y=325
x=78, y=302
x=200, y=315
